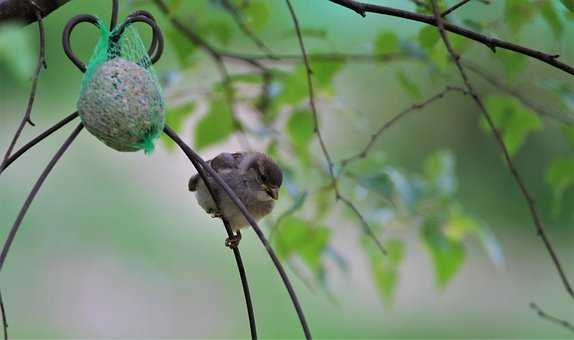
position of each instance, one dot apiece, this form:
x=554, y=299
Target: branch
x=366, y=227
x=458, y=5
x=4, y=318
x=41, y=63
x=5, y=164
x=551, y=318
x=513, y=170
x=200, y=166
x=24, y=11
x=491, y=42
x=34, y=191
x=415, y=107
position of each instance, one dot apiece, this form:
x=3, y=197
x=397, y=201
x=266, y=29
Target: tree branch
x=513, y=170
x=364, y=8
x=24, y=11
x=543, y=315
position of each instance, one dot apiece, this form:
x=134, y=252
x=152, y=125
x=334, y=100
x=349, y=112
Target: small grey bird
x=253, y=176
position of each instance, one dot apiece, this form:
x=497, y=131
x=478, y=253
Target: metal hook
x=66, y=37
x=157, y=40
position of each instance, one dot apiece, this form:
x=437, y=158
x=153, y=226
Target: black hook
x=66, y=37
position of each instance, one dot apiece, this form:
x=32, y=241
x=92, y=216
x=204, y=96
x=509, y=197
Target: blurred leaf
x=182, y=46
x=324, y=72
x=324, y=199
x=380, y=183
x=560, y=177
x=306, y=32
x=513, y=62
x=439, y=170
x=447, y=255
x=256, y=14
x=386, y=42
x=16, y=51
x=408, y=84
x=514, y=120
x=385, y=268
x=297, y=237
x=548, y=12
x=568, y=4
x=518, y=13
x=218, y=29
x=439, y=56
x=428, y=37
x=569, y=133
x=300, y=129
x=216, y=126
x=293, y=86
x=175, y=118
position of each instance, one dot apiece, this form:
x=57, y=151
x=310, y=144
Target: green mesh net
x=121, y=101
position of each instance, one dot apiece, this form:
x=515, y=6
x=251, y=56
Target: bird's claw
x=232, y=242
x=215, y=213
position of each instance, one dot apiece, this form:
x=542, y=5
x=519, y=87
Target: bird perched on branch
x=254, y=177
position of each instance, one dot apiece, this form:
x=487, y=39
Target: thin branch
x=34, y=191
x=458, y=5
x=489, y=78
x=236, y=253
x=234, y=12
x=368, y=230
x=41, y=63
x=5, y=164
x=415, y=107
x=4, y=318
x=542, y=314
x=491, y=42
x=513, y=170
x=200, y=166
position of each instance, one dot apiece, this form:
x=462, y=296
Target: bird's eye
x=263, y=178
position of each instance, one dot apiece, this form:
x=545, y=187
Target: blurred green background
x=115, y=245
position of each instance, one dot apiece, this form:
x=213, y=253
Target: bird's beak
x=273, y=192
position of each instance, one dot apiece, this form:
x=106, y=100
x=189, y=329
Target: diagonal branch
x=202, y=166
x=35, y=191
x=4, y=318
x=543, y=315
x=366, y=227
x=491, y=42
x=25, y=11
x=41, y=63
x=513, y=170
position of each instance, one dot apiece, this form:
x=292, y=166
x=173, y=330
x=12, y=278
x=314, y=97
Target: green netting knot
x=121, y=101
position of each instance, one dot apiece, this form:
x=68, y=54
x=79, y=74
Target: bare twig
x=415, y=107
x=491, y=42
x=513, y=170
x=4, y=318
x=368, y=230
x=34, y=191
x=542, y=314
x=41, y=63
x=5, y=164
x=458, y=5
x=201, y=165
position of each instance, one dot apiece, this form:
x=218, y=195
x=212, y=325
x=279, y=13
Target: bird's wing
x=222, y=163
x=193, y=181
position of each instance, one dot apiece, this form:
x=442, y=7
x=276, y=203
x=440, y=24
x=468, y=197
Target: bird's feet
x=214, y=213
x=232, y=242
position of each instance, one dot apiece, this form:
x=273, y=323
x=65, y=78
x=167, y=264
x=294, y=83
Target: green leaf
x=568, y=131
x=513, y=119
x=568, y=4
x=385, y=268
x=292, y=86
x=216, y=126
x=386, y=42
x=560, y=177
x=428, y=37
x=408, y=84
x=300, y=128
x=296, y=236
x=439, y=171
x=182, y=46
x=518, y=13
x=513, y=62
x=549, y=14
x=447, y=255
x=325, y=72
x=175, y=118
x=256, y=14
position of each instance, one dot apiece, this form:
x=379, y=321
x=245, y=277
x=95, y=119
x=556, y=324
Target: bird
x=253, y=176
